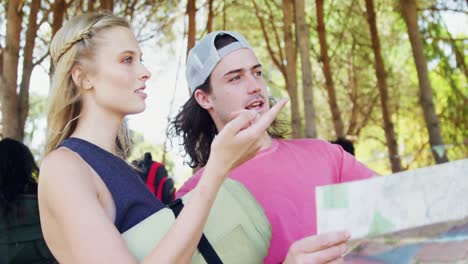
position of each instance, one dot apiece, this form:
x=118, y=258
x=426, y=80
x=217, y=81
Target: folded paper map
x=418, y=216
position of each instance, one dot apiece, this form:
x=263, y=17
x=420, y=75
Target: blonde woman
x=88, y=194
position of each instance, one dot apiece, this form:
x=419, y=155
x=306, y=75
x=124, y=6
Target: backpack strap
x=204, y=246
x=151, y=179
x=168, y=191
x=160, y=180
x=160, y=188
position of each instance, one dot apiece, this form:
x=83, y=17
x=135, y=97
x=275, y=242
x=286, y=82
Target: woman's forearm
x=179, y=244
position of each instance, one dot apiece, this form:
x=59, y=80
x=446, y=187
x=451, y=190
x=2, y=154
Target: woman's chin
x=137, y=110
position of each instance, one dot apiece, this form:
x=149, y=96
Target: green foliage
x=36, y=124
x=353, y=71
x=141, y=146
x=152, y=22
x=447, y=62
x=352, y=63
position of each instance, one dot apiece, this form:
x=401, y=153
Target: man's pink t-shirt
x=283, y=178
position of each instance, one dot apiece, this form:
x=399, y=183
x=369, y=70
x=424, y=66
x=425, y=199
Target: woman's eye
x=259, y=73
x=127, y=59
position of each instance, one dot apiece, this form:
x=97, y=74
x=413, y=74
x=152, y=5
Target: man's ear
x=80, y=77
x=203, y=99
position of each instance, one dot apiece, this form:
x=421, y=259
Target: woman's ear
x=80, y=78
x=203, y=99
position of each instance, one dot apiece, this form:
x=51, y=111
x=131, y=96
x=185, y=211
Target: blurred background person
x=21, y=239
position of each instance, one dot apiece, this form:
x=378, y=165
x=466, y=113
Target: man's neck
x=266, y=141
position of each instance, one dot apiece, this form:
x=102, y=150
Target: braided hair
x=75, y=43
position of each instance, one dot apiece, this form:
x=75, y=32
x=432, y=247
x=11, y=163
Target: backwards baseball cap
x=203, y=58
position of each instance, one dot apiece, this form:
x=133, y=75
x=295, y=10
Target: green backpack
x=237, y=228
x=21, y=239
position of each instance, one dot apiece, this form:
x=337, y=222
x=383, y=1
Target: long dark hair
x=17, y=167
x=194, y=124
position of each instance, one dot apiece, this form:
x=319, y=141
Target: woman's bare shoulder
x=63, y=169
x=74, y=222
x=60, y=155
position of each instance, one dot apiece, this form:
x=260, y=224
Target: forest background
x=391, y=76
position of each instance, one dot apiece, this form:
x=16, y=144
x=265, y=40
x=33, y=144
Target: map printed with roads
x=418, y=216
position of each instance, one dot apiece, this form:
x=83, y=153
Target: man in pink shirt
x=225, y=77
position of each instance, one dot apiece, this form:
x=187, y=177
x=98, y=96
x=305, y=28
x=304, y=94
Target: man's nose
x=253, y=86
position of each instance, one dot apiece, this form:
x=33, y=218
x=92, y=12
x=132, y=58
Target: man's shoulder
x=190, y=183
x=309, y=148
x=198, y=173
x=313, y=143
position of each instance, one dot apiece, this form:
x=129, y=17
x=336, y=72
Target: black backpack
x=155, y=175
x=21, y=239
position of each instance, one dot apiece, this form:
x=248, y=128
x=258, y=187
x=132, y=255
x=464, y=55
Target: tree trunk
x=410, y=15
x=107, y=5
x=459, y=57
x=335, y=111
x=57, y=22
x=2, y=81
x=90, y=6
x=9, y=100
x=209, y=21
x=353, y=91
x=392, y=143
x=2, y=51
x=59, y=10
x=31, y=32
x=302, y=40
x=276, y=57
x=291, y=75
x=191, y=12
x=224, y=14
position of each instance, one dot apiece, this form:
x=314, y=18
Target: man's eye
x=259, y=73
x=234, y=78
